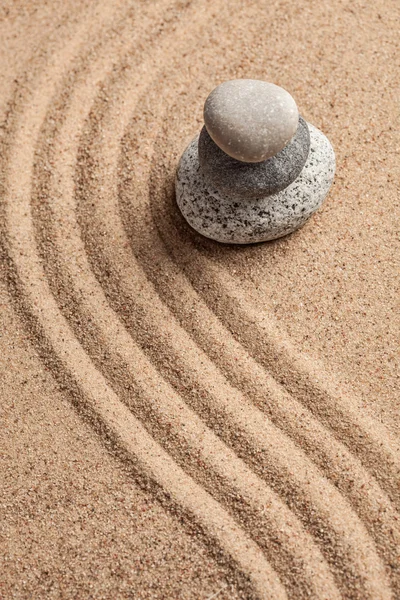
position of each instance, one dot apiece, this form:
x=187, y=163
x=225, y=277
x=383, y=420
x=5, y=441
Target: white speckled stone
x=225, y=219
x=250, y=120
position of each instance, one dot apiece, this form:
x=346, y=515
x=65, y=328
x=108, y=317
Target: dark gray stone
x=253, y=180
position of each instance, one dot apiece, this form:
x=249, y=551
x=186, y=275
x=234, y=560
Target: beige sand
x=184, y=419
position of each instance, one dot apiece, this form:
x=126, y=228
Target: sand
x=183, y=419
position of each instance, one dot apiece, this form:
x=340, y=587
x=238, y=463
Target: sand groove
x=226, y=411
x=267, y=345
x=118, y=345
x=101, y=226
x=267, y=481
x=111, y=266
x=95, y=391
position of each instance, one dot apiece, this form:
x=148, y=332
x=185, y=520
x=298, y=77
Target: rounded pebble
x=221, y=218
x=250, y=120
x=253, y=180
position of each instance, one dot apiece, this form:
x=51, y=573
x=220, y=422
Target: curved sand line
x=108, y=142
x=182, y=444
x=115, y=342
x=366, y=437
x=336, y=462
x=350, y=421
x=102, y=225
x=96, y=394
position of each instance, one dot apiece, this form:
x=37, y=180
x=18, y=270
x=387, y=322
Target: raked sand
x=182, y=419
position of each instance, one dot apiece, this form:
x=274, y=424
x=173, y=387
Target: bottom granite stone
x=252, y=220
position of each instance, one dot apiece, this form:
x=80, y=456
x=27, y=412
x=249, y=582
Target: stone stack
x=257, y=170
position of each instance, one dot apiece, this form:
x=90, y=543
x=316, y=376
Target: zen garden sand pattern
x=184, y=418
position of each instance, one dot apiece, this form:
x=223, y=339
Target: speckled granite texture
x=253, y=180
x=225, y=219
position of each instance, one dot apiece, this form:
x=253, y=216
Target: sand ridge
x=254, y=444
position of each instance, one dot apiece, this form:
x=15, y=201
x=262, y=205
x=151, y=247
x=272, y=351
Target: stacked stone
x=257, y=171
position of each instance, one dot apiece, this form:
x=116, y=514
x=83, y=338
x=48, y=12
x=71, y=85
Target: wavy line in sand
x=286, y=364
x=350, y=425
x=186, y=436
x=224, y=449
x=96, y=394
x=115, y=342
x=267, y=344
x=252, y=562
x=109, y=141
x=111, y=266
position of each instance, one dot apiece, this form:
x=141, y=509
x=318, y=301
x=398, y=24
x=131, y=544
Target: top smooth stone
x=250, y=120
